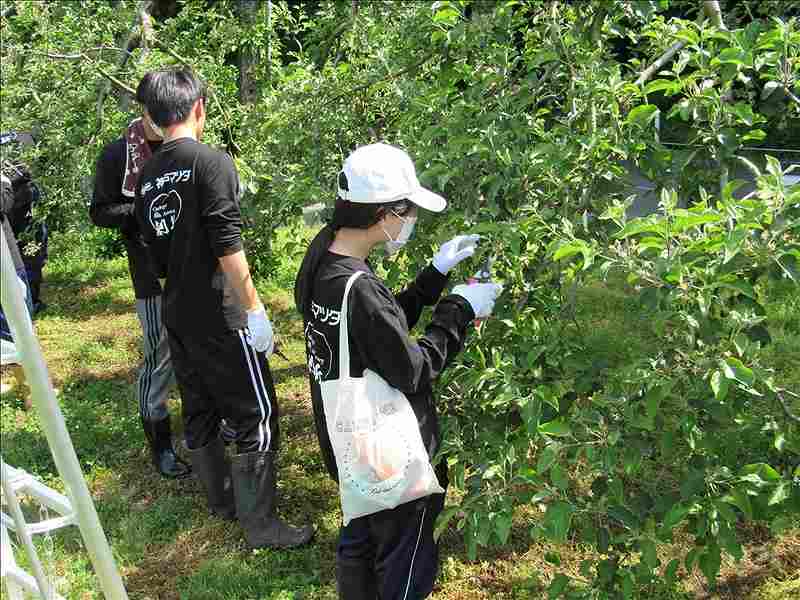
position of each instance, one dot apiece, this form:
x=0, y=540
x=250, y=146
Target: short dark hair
x=169, y=94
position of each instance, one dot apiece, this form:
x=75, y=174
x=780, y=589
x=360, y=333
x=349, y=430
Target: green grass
x=166, y=545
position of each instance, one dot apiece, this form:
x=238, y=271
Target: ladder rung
x=41, y=526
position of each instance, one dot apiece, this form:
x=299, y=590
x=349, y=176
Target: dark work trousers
x=221, y=376
x=390, y=555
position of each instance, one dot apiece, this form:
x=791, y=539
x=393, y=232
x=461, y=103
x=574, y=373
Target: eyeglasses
x=412, y=215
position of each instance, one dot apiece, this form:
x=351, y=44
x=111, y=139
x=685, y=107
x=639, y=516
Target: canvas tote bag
x=380, y=456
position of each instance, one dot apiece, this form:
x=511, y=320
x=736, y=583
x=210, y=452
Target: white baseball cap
x=380, y=173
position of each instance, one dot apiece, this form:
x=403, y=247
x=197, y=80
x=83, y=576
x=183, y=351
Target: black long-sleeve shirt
x=110, y=208
x=379, y=324
x=187, y=208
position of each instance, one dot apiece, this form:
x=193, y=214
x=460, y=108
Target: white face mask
x=393, y=246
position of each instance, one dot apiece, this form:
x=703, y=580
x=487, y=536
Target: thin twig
x=115, y=81
x=81, y=53
x=100, y=69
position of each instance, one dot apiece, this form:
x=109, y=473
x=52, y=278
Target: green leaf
x=739, y=498
x=642, y=115
x=675, y=515
x=689, y=36
x=603, y=540
x=571, y=249
x=719, y=385
x=710, y=562
x=636, y=226
x=671, y=572
x=558, y=476
x=531, y=408
x=763, y=470
x=443, y=520
x=624, y=516
x=743, y=287
x=735, y=56
x=725, y=511
x=691, y=558
x=502, y=526
x=781, y=493
x=744, y=112
x=662, y=85
x=560, y=583
x=546, y=459
x=628, y=586
x=649, y=554
x=734, y=369
x=556, y=427
x=554, y=558
x=682, y=223
x=557, y=521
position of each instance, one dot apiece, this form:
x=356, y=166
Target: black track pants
x=390, y=555
x=222, y=376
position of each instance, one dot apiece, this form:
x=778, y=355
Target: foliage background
x=529, y=117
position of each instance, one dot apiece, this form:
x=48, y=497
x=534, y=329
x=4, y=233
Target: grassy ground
x=166, y=545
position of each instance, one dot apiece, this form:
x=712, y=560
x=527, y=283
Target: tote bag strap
x=344, y=341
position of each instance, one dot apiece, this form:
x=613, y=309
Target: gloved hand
x=259, y=330
x=481, y=297
x=453, y=252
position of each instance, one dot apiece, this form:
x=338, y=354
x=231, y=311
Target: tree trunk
x=140, y=33
x=247, y=11
x=714, y=13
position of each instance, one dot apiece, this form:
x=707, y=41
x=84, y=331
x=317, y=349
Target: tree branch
x=120, y=84
x=648, y=73
x=130, y=43
x=785, y=406
x=80, y=54
x=389, y=77
x=115, y=81
x=713, y=11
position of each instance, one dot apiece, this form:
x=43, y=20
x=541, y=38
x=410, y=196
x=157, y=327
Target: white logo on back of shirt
x=320, y=355
x=165, y=211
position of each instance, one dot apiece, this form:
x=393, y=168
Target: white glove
x=453, y=252
x=481, y=297
x=259, y=331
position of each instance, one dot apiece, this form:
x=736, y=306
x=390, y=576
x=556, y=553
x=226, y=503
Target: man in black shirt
x=116, y=173
x=218, y=330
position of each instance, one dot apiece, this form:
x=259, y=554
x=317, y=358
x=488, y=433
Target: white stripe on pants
x=257, y=379
x=156, y=373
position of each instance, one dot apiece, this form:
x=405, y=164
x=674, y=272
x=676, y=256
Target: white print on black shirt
x=320, y=355
x=325, y=315
x=171, y=177
x=135, y=155
x=165, y=212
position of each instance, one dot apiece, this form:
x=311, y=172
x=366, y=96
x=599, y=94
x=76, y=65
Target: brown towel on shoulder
x=137, y=152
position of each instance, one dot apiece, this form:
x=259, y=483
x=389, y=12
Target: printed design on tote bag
x=377, y=458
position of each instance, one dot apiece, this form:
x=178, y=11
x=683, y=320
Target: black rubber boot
x=214, y=471
x=355, y=579
x=254, y=487
x=169, y=464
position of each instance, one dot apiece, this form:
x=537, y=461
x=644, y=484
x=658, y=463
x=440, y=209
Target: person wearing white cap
x=390, y=554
